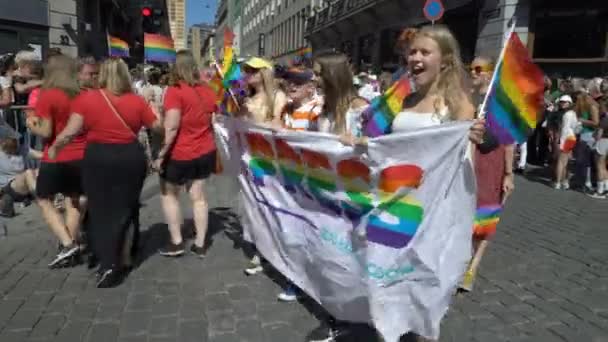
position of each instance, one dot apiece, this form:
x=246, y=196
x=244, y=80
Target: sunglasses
x=478, y=69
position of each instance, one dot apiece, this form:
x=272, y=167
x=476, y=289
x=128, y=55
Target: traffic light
x=151, y=19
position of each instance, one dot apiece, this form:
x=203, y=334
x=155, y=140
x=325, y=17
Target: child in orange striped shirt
x=304, y=105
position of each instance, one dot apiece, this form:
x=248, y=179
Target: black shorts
x=181, y=172
x=59, y=178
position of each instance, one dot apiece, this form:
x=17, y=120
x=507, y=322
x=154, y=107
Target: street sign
x=433, y=10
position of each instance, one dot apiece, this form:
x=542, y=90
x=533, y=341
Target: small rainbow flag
x=515, y=101
x=231, y=71
x=118, y=47
x=158, y=48
x=305, y=52
x=486, y=220
x=383, y=109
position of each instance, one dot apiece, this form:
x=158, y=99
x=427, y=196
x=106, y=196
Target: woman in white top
x=343, y=107
x=567, y=141
x=438, y=75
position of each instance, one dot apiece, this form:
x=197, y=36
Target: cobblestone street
x=544, y=279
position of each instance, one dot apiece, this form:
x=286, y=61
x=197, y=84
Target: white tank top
x=408, y=121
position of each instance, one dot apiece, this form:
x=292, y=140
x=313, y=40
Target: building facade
x=177, y=22
x=221, y=23
x=63, y=26
x=24, y=24
x=197, y=35
x=275, y=28
x=367, y=30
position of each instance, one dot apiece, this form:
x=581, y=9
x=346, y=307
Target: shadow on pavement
x=157, y=235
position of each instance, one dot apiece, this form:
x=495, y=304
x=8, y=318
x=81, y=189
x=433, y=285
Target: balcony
x=335, y=12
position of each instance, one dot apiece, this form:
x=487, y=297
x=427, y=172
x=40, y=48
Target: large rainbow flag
x=515, y=101
x=117, y=47
x=158, y=48
x=383, y=109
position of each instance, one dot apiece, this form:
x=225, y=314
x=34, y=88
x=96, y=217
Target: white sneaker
x=253, y=270
x=288, y=295
x=565, y=185
x=597, y=195
x=557, y=186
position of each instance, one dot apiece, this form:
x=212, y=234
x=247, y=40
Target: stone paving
x=545, y=278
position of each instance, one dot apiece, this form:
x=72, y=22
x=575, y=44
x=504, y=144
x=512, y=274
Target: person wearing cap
x=567, y=141
x=264, y=106
x=266, y=102
x=304, y=107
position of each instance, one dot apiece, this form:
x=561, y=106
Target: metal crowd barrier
x=15, y=117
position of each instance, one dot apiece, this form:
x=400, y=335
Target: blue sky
x=197, y=11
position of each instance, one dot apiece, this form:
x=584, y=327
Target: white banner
x=380, y=234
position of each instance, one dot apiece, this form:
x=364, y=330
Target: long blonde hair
x=184, y=70
x=269, y=84
x=338, y=87
x=60, y=72
x=450, y=84
x=114, y=76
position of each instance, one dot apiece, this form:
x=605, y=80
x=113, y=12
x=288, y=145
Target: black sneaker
x=172, y=250
x=108, y=278
x=200, y=252
x=66, y=252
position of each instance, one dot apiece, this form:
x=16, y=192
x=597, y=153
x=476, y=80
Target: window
x=570, y=32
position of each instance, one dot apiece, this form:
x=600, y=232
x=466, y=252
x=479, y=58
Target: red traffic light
x=146, y=11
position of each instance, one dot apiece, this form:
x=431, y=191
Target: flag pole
x=496, y=70
x=108, y=41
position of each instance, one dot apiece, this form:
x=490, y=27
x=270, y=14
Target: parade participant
x=114, y=165
x=59, y=174
x=266, y=101
x=494, y=171
x=567, y=142
x=17, y=183
x=188, y=156
x=264, y=106
x=7, y=67
x=441, y=94
x=341, y=115
x=300, y=114
x=601, y=149
x=304, y=106
x=88, y=73
x=343, y=107
x=587, y=111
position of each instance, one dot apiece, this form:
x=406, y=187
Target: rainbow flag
x=158, y=48
x=118, y=47
x=231, y=71
x=515, y=101
x=486, y=220
x=383, y=109
x=305, y=52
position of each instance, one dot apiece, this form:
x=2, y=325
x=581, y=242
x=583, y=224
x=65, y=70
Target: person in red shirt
x=188, y=156
x=60, y=175
x=114, y=165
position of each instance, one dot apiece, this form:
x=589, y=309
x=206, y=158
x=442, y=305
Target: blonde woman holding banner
x=441, y=95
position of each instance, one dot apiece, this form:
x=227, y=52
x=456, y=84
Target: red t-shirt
x=54, y=105
x=195, y=134
x=102, y=125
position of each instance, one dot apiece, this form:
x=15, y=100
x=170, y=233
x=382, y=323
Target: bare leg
x=73, y=215
x=55, y=221
x=172, y=211
x=200, y=210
